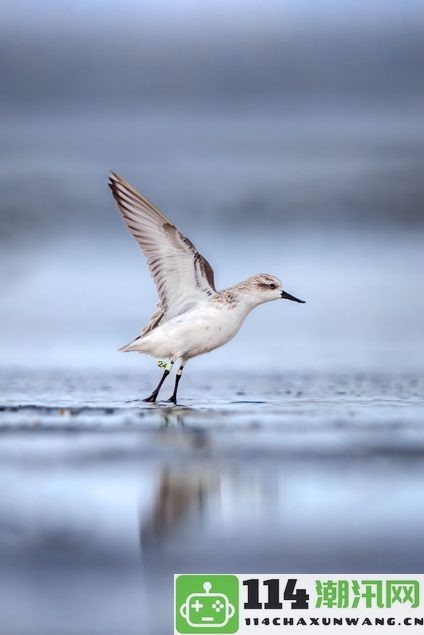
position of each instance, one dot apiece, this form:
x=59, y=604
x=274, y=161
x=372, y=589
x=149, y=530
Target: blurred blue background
x=284, y=137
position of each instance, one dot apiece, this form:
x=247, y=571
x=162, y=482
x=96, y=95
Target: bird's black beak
x=287, y=296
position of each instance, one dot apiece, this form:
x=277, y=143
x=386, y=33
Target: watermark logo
x=252, y=604
x=206, y=604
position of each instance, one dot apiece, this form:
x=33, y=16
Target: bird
x=192, y=317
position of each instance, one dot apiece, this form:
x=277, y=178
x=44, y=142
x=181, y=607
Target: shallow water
x=104, y=497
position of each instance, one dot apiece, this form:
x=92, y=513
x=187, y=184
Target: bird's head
x=265, y=288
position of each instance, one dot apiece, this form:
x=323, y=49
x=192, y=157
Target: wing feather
x=181, y=275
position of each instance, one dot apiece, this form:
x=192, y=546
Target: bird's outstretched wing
x=181, y=275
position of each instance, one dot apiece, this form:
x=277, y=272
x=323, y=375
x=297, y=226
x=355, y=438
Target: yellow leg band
x=165, y=365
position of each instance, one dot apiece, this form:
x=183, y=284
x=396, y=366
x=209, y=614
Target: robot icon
x=204, y=610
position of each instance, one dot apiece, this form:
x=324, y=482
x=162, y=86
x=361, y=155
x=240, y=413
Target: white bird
x=193, y=318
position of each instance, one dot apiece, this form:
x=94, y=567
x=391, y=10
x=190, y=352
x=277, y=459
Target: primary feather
x=181, y=275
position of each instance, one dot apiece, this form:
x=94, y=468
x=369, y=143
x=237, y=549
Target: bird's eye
x=272, y=285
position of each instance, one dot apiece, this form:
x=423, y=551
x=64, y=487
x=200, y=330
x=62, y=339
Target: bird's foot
x=151, y=399
x=172, y=399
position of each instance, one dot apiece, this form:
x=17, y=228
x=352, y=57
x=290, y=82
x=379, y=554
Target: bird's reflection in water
x=179, y=416
x=173, y=430
x=182, y=489
x=200, y=499
x=180, y=497
x=171, y=415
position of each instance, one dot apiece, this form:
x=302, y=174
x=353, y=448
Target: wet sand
x=104, y=498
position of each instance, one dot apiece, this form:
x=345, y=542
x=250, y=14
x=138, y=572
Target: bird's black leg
x=173, y=399
x=155, y=393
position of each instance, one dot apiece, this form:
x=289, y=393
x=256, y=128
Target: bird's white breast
x=198, y=331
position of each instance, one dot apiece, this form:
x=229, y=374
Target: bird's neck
x=238, y=297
